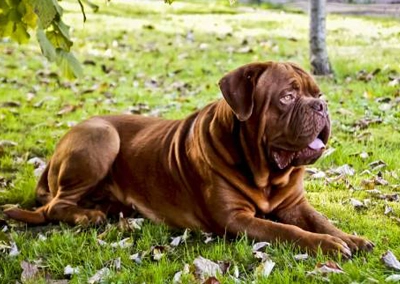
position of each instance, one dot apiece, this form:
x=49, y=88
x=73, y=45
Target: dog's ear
x=238, y=87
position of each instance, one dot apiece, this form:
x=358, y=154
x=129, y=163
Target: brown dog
x=231, y=167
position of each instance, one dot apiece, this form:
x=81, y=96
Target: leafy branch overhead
x=18, y=17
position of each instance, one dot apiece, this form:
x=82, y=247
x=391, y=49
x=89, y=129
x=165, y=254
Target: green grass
x=142, y=41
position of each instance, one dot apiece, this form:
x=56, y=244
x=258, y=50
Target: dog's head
x=280, y=108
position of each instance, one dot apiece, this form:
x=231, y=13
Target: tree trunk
x=320, y=64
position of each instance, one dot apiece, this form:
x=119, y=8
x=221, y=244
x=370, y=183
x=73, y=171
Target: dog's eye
x=288, y=98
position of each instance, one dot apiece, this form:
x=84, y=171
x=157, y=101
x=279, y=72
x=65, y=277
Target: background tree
x=319, y=59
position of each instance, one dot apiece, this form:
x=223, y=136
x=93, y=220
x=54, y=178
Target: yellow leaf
x=19, y=33
x=29, y=18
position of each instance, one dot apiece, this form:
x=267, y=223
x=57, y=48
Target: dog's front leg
x=241, y=221
x=236, y=215
x=306, y=217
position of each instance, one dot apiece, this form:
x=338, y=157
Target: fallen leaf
x=124, y=243
x=99, y=276
x=260, y=255
x=177, y=240
x=178, y=275
x=357, y=204
x=10, y=104
x=39, y=165
x=393, y=278
x=66, y=109
x=29, y=272
x=388, y=210
x=236, y=273
x=345, y=170
x=390, y=197
x=158, y=252
x=265, y=268
x=58, y=281
x=390, y=260
x=365, y=122
x=69, y=270
x=205, y=267
x=8, y=143
x=326, y=268
x=375, y=165
x=374, y=191
x=208, y=237
x=13, y=250
x=328, y=152
x=260, y=245
x=244, y=49
x=224, y=265
x=303, y=256
x=136, y=257
x=211, y=280
x=30, y=96
x=116, y=263
x=101, y=242
x=385, y=107
x=396, y=219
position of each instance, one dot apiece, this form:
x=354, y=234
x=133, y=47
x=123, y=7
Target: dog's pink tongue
x=317, y=144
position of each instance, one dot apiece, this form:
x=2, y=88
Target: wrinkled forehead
x=289, y=75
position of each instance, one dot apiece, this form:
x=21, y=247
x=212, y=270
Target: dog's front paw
x=357, y=244
x=89, y=217
x=327, y=244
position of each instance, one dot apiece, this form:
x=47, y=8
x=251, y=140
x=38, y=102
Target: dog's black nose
x=319, y=106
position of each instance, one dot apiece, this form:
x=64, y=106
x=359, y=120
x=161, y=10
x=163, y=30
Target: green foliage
x=18, y=17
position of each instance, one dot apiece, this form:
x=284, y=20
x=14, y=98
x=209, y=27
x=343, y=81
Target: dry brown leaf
x=375, y=165
x=10, y=104
x=260, y=255
x=390, y=260
x=388, y=210
x=208, y=237
x=396, y=219
x=8, y=143
x=99, y=276
x=158, y=252
x=66, y=109
x=357, y=204
x=211, y=280
x=265, y=268
x=326, y=268
x=29, y=272
x=124, y=243
x=205, y=267
x=260, y=246
x=390, y=197
x=345, y=170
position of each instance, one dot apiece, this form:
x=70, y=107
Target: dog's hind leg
x=82, y=159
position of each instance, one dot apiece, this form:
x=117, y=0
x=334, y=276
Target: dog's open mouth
x=284, y=158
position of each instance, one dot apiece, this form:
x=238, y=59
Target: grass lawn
x=155, y=59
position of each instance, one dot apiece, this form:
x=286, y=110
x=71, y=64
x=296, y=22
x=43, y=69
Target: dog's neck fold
x=230, y=147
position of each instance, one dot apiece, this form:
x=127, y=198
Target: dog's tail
x=43, y=196
x=30, y=217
